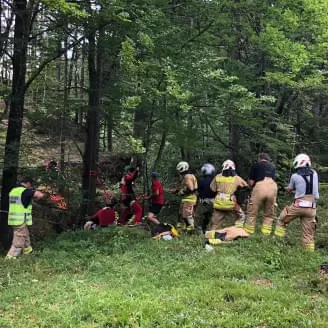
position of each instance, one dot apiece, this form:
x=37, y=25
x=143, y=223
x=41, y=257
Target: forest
x=162, y=80
x=95, y=85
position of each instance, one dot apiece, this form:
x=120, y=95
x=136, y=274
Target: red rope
x=102, y=186
x=104, y=189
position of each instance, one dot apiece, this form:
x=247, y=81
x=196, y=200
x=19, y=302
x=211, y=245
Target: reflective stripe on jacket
x=224, y=200
x=18, y=214
x=192, y=197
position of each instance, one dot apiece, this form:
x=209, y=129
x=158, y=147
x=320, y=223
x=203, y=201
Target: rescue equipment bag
x=164, y=229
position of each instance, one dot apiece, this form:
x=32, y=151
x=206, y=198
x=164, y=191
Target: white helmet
x=301, y=160
x=228, y=164
x=182, y=167
x=207, y=169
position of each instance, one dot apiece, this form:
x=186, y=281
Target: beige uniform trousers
x=264, y=192
x=307, y=216
x=21, y=242
x=187, y=213
x=218, y=217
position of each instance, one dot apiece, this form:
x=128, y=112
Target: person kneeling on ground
x=102, y=218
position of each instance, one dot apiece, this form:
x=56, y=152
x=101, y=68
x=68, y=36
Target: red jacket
x=127, y=184
x=157, y=193
x=106, y=216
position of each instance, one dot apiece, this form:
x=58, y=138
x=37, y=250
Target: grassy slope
x=118, y=277
x=121, y=278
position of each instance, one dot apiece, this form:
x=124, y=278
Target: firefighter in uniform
x=306, y=186
x=264, y=191
x=204, y=207
x=224, y=185
x=188, y=191
x=20, y=217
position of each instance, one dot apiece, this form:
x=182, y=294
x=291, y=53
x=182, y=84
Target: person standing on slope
x=305, y=183
x=188, y=191
x=128, y=197
x=224, y=185
x=204, y=207
x=157, y=199
x=20, y=217
x=264, y=191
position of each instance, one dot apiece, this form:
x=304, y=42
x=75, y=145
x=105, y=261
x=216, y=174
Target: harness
x=308, y=191
x=309, y=184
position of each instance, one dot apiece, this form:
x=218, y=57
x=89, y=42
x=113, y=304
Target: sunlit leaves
x=131, y=102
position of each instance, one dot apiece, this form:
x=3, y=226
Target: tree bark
x=64, y=118
x=139, y=125
x=160, y=150
x=89, y=177
x=4, y=36
x=15, y=121
x=233, y=138
x=109, y=126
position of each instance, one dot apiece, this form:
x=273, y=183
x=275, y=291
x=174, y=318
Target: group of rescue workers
x=218, y=193
x=205, y=204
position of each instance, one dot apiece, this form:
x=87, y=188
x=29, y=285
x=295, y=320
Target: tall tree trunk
x=163, y=139
x=72, y=66
x=15, y=122
x=89, y=177
x=6, y=26
x=64, y=110
x=160, y=150
x=139, y=124
x=64, y=118
x=109, y=126
x=233, y=138
x=99, y=82
x=80, y=113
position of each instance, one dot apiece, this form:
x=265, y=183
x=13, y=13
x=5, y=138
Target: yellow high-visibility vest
x=18, y=214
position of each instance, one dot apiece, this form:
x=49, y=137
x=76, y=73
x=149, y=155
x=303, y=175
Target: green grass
x=119, y=277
